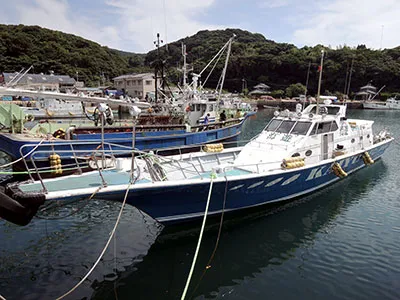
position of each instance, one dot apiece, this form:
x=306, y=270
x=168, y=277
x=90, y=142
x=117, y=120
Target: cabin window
x=197, y=107
x=210, y=108
x=308, y=153
x=324, y=127
x=331, y=110
x=286, y=126
x=301, y=128
x=273, y=125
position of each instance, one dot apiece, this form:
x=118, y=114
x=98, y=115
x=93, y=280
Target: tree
x=294, y=90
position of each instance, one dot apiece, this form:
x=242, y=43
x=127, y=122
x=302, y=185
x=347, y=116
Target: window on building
x=128, y=82
x=139, y=82
x=148, y=82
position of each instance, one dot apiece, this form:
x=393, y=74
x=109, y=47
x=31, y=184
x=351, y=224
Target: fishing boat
x=151, y=131
x=297, y=153
x=389, y=104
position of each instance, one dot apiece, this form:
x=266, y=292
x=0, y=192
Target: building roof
x=261, y=86
x=259, y=92
x=135, y=76
x=39, y=79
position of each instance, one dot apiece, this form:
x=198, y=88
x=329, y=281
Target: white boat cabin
x=314, y=137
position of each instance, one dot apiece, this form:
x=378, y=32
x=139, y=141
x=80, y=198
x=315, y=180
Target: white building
x=136, y=85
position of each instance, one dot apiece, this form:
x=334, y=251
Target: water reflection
x=247, y=247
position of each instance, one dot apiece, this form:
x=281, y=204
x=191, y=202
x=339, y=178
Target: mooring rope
x=105, y=247
x=208, y=265
x=23, y=157
x=200, y=239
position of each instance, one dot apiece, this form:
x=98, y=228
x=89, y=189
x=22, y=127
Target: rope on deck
x=200, y=239
x=23, y=157
x=105, y=247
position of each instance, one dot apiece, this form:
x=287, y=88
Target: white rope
x=23, y=157
x=2, y=298
x=105, y=248
x=199, y=241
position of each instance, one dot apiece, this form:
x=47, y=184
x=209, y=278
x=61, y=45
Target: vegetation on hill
x=47, y=50
x=254, y=59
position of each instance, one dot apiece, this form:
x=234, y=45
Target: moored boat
x=297, y=153
x=389, y=104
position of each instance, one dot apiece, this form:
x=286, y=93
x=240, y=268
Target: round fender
x=29, y=200
x=14, y=212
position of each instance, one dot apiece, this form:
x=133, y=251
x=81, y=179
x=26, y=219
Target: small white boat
x=390, y=104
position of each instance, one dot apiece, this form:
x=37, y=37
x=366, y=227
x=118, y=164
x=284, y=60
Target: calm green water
x=341, y=243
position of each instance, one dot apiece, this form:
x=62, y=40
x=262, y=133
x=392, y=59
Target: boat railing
x=81, y=158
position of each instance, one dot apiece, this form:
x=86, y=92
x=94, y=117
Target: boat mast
x=157, y=65
x=184, y=54
x=319, y=80
x=351, y=72
x=226, y=65
x=308, y=77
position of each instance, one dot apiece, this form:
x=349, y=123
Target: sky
x=132, y=25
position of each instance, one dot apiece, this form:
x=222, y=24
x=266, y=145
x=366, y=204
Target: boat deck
x=86, y=180
x=111, y=177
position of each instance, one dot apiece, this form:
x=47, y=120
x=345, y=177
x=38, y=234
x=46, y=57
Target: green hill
x=254, y=58
x=22, y=46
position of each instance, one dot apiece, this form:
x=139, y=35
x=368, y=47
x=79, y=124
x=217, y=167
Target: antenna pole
x=319, y=80
x=308, y=76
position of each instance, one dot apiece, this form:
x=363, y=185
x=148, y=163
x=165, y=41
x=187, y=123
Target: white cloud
x=141, y=20
x=351, y=22
x=273, y=3
x=58, y=15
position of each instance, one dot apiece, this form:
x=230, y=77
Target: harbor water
x=339, y=243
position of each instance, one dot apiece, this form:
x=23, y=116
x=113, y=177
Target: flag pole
x=319, y=80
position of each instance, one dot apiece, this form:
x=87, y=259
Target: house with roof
x=136, y=85
x=366, y=92
x=260, y=89
x=44, y=82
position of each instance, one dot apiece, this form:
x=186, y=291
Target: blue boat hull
x=181, y=203
x=145, y=141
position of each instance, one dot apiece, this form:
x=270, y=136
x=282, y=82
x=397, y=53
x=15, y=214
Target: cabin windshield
x=285, y=126
x=273, y=125
x=301, y=128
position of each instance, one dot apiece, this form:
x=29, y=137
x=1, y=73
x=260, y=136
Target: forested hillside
x=254, y=59
x=48, y=50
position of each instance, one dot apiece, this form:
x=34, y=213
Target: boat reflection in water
x=248, y=251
